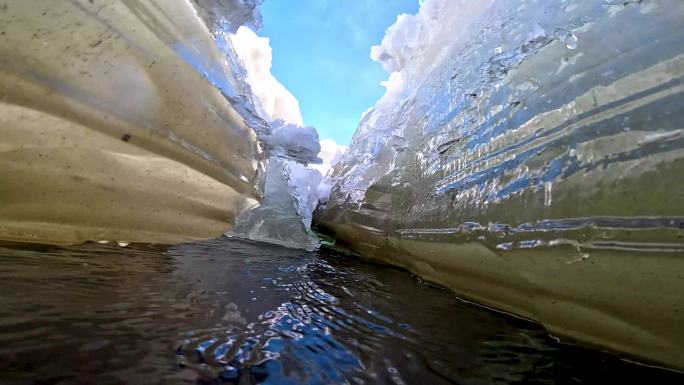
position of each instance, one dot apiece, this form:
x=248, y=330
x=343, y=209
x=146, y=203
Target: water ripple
x=229, y=312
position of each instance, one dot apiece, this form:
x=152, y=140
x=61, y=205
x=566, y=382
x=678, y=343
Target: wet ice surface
x=230, y=311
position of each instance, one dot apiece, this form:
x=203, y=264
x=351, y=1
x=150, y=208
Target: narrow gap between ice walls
x=293, y=184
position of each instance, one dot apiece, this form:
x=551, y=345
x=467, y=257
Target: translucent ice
x=123, y=121
x=527, y=154
x=279, y=218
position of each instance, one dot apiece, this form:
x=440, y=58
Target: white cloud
x=273, y=101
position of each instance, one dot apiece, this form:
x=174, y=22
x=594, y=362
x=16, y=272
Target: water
x=229, y=311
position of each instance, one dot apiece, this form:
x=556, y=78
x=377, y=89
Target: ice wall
x=143, y=121
x=527, y=154
x=123, y=121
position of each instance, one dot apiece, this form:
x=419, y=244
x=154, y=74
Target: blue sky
x=321, y=54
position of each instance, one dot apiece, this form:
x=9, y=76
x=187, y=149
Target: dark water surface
x=230, y=311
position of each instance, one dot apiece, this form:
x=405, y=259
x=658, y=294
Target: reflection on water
x=230, y=311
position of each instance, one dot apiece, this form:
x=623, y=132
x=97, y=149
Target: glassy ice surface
x=514, y=112
x=529, y=154
x=279, y=218
x=231, y=311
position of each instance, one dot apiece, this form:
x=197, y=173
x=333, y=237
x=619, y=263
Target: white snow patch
x=273, y=101
x=415, y=44
x=305, y=181
x=331, y=153
x=294, y=141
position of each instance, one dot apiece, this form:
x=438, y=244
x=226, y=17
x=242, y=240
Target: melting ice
x=292, y=188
